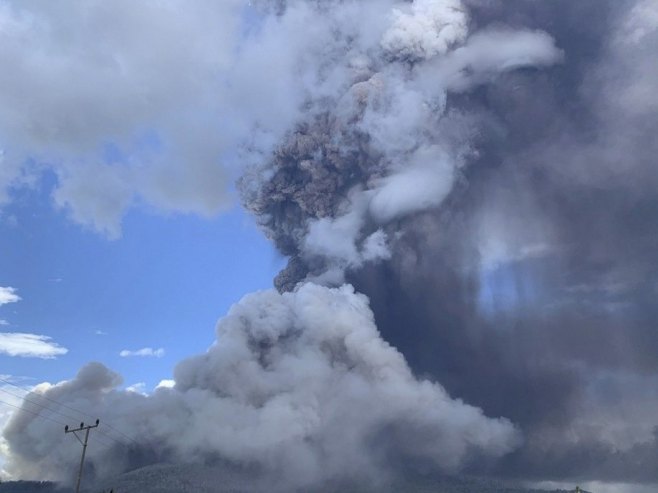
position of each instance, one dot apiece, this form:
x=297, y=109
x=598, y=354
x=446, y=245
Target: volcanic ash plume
x=484, y=171
x=300, y=385
x=383, y=144
x=488, y=180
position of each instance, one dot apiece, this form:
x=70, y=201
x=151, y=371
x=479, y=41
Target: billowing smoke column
x=509, y=187
x=299, y=386
x=484, y=171
x=386, y=145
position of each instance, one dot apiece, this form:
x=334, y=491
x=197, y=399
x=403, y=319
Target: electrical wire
x=25, y=399
x=104, y=444
x=32, y=412
x=65, y=415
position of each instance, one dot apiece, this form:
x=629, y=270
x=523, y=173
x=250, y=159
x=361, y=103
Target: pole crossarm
x=84, y=443
x=82, y=427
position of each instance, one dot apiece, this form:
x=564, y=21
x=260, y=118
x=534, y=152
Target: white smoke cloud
x=339, y=240
x=400, y=111
x=491, y=52
x=422, y=183
x=12, y=401
x=425, y=28
x=300, y=384
x=336, y=238
x=641, y=21
x=631, y=79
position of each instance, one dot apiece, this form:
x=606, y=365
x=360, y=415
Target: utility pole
x=84, y=446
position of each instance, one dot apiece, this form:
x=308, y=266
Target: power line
x=49, y=399
x=25, y=399
x=122, y=433
x=67, y=407
x=79, y=412
x=39, y=415
x=32, y=412
x=105, y=444
x=41, y=406
x=111, y=438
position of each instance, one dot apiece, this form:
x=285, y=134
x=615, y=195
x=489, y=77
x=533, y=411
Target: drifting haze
x=484, y=171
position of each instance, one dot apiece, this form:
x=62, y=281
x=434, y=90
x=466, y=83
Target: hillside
x=200, y=479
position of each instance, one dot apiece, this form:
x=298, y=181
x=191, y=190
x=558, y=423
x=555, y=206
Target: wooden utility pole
x=84, y=446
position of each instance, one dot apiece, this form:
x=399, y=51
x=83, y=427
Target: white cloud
x=29, y=345
x=99, y=332
x=166, y=384
x=3, y=322
x=144, y=78
x=144, y=352
x=8, y=295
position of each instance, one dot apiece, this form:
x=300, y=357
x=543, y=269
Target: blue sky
x=162, y=284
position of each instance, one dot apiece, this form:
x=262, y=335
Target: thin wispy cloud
x=144, y=353
x=27, y=345
x=8, y=295
x=3, y=322
x=11, y=379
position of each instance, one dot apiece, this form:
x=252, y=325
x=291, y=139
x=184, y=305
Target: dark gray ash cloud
x=528, y=287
